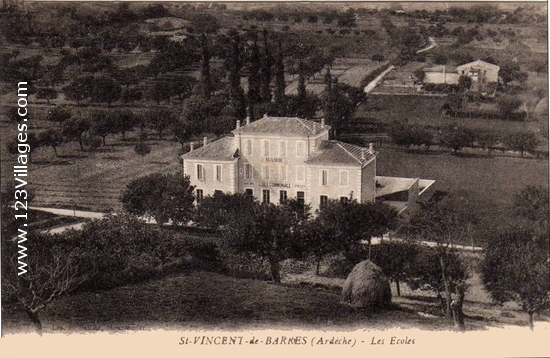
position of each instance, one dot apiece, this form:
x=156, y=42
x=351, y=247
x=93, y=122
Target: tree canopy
x=515, y=268
x=163, y=197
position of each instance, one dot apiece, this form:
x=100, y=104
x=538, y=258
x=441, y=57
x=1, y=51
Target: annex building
x=484, y=75
x=277, y=158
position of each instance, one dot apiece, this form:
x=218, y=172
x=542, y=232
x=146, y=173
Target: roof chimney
x=371, y=148
x=247, y=120
x=205, y=141
x=322, y=123
x=191, y=146
x=238, y=124
x=314, y=127
x=363, y=153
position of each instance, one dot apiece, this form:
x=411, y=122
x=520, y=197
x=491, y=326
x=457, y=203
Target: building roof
x=336, y=152
x=479, y=64
x=223, y=150
x=284, y=126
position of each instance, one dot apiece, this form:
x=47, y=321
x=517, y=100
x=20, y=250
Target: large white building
x=275, y=158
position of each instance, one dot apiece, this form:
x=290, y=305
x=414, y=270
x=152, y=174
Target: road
x=96, y=215
x=77, y=214
x=372, y=85
x=433, y=44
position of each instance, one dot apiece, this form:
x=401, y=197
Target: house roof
x=336, y=152
x=284, y=126
x=479, y=64
x=223, y=149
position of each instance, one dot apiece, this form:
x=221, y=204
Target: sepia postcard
x=366, y=179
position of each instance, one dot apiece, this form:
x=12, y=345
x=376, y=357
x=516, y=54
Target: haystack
x=367, y=287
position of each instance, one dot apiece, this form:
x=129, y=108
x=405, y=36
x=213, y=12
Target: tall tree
x=444, y=223
x=160, y=119
x=101, y=124
x=254, y=79
x=124, y=120
x=267, y=63
x=301, y=81
x=52, y=138
x=52, y=270
x=247, y=226
x=396, y=259
x=351, y=222
x=522, y=142
x=59, y=115
x=234, y=63
x=280, y=84
x=74, y=129
x=79, y=89
x=46, y=93
x=105, y=90
x=515, y=268
x=532, y=203
x=206, y=81
x=163, y=197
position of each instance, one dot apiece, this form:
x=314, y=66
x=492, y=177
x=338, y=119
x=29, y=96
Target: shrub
x=245, y=265
x=121, y=249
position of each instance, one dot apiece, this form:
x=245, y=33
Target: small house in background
x=484, y=75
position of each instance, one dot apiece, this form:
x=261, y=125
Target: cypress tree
x=254, y=76
x=279, y=76
x=265, y=90
x=206, y=84
x=234, y=64
x=301, y=82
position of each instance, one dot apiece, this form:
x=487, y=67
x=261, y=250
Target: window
x=300, y=148
x=199, y=195
x=200, y=172
x=248, y=147
x=218, y=171
x=218, y=192
x=282, y=173
x=249, y=191
x=323, y=200
x=282, y=196
x=344, y=199
x=300, y=173
x=266, y=148
x=282, y=148
x=344, y=178
x=324, y=177
x=265, y=196
x=300, y=197
x=265, y=172
x=248, y=171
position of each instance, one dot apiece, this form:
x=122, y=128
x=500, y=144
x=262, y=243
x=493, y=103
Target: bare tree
x=33, y=281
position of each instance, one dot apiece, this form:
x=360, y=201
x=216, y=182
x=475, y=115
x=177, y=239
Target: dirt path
x=372, y=85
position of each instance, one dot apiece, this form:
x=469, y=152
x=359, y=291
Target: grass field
x=202, y=300
x=425, y=110
x=85, y=180
x=484, y=185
